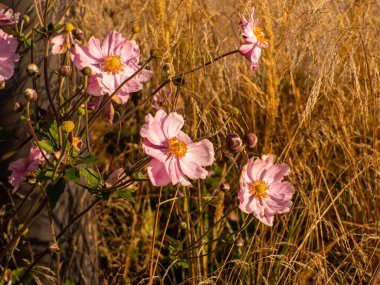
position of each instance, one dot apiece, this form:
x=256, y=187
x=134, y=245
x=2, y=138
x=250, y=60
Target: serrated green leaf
x=46, y=145
x=53, y=133
x=89, y=160
x=54, y=191
x=72, y=174
x=91, y=176
x=126, y=194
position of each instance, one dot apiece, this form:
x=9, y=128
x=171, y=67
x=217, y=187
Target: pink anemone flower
x=254, y=40
x=7, y=17
x=61, y=43
x=8, y=55
x=175, y=157
x=23, y=167
x=263, y=192
x=112, y=62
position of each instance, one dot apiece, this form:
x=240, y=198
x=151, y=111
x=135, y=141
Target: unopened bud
x=239, y=242
x=30, y=94
x=81, y=111
x=25, y=18
x=178, y=81
x=69, y=27
x=68, y=126
x=250, y=140
x=65, y=70
x=17, y=107
x=135, y=29
x=78, y=34
x=234, y=143
x=154, y=53
x=32, y=69
x=20, y=226
x=226, y=187
x=86, y=71
x=183, y=225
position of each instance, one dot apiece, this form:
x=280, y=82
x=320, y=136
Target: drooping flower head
x=8, y=55
x=263, y=191
x=7, y=17
x=175, y=157
x=111, y=62
x=254, y=40
x=23, y=167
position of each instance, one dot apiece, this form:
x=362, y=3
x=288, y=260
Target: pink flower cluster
x=112, y=62
x=175, y=157
x=23, y=167
x=254, y=40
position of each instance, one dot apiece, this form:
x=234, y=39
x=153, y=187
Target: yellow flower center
x=177, y=147
x=259, y=188
x=259, y=35
x=112, y=63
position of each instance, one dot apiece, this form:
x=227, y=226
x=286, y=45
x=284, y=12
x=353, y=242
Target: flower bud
x=81, y=111
x=26, y=19
x=183, y=225
x=30, y=94
x=154, y=53
x=226, y=187
x=17, y=107
x=135, y=29
x=32, y=69
x=65, y=71
x=234, y=143
x=86, y=71
x=250, y=140
x=2, y=85
x=68, y=126
x=69, y=27
x=239, y=242
x=78, y=34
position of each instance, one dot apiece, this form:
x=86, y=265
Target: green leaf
x=17, y=274
x=89, y=160
x=46, y=145
x=53, y=133
x=69, y=282
x=139, y=175
x=72, y=174
x=91, y=176
x=126, y=194
x=54, y=191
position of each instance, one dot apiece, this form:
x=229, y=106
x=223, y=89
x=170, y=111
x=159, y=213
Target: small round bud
x=17, y=107
x=135, y=29
x=69, y=27
x=178, y=81
x=32, y=69
x=183, y=225
x=251, y=140
x=154, y=53
x=65, y=70
x=25, y=18
x=68, y=126
x=86, y=71
x=226, y=187
x=2, y=85
x=81, y=111
x=78, y=34
x=20, y=226
x=239, y=242
x=234, y=143
x=30, y=94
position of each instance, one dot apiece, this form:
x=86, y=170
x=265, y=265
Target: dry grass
x=314, y=103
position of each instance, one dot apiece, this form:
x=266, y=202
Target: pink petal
x=172, y=125
x=201, y=152
x=157, y=173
